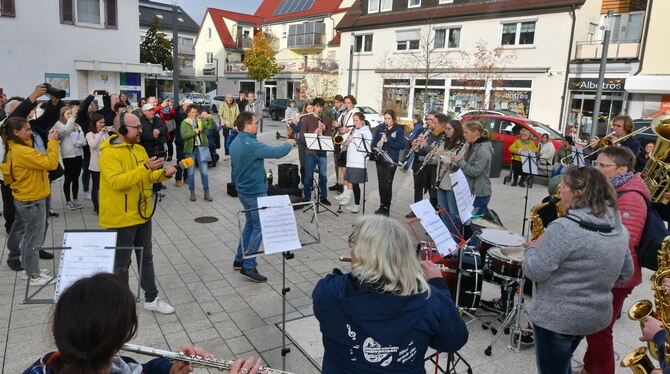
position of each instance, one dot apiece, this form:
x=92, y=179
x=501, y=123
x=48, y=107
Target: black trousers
x=225, y=131
x=357, y=193
x=138, y=236
x=517, y=171
x=7, y=206
x=385, y=174
x=72, y=171
x=170, y=142
x=181, y=173
x=95, y=191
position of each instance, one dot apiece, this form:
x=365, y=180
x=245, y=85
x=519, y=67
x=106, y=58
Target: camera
x=160, y=153
x=55, y=92
x=101, y=92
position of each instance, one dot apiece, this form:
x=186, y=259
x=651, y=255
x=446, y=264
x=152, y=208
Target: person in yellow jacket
x=25, y=171
x=523, y=143
x=193, y=132
x=228, y=112
x=126, y=177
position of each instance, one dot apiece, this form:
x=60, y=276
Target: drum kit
x=493, y=255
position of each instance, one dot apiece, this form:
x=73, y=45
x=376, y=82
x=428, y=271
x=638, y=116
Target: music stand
x=319, y=143
x=286, y=255
x=578, y=156
x=530, y=162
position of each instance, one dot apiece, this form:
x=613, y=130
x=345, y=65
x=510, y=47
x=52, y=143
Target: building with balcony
x=302, y=34
x=72, y=46
x=414, y=56
x=188, y=30
x=626, y=45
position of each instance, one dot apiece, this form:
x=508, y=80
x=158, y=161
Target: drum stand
x=513, y=316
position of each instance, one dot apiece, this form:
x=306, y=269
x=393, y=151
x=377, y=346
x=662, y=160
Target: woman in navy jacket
x=391, y=139
x=383, y=316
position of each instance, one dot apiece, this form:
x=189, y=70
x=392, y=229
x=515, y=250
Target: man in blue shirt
x=248, y=154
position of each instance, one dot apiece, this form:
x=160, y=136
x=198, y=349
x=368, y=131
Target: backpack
x=652, y=236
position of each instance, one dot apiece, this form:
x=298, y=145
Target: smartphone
x=101, y=92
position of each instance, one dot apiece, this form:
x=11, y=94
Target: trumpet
x=193, y=360
x=606, y=142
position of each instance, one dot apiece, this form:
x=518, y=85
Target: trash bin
x=496, y=162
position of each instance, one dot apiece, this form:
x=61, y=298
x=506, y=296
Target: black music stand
x=532, y=164
x=319, y=143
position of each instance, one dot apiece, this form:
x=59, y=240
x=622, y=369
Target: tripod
x=513, y=316
x=317, y=191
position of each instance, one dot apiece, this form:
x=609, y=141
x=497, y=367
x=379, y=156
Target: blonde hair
x=386, y=257
x=477, y=126
x=61, y=116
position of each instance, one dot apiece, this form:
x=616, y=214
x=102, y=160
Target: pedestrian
x=228, y=111
x=95, y=138
x=153, y=135
x=125, y=202
x=72, y=141
x=242, y=100
x=196, y=146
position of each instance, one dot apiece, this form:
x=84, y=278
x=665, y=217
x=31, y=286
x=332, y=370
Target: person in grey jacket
x=476, y=165
x=574, y=266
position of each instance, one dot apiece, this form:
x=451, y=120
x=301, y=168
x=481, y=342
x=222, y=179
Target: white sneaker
x=24, y=275
x=87, y=195
x=354, y=208
x=348, y=199
x=159, y=305
x=41, y=280
x=77, y=204
x=225, y=157
x=342, y=195
x=70, y=205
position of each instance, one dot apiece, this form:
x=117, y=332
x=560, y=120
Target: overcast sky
x=196, y=8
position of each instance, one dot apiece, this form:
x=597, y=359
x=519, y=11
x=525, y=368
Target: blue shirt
x=247, y=155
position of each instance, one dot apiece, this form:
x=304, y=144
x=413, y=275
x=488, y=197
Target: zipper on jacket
x=126, y=198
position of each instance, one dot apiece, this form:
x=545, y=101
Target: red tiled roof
x=224, y=34
x=356, y=19
x=267, y=8
x=336, y=39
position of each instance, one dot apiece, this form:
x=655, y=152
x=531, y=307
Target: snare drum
x=471, y=281
x=505, y=263
x=488, y=238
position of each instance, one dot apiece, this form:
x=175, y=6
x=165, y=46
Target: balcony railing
x=244, y=43
x=311, y=65
x=623, y=49
x=310, y=40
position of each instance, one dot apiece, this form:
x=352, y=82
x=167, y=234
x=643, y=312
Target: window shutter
x=8, y=8
x=111, y=12
x=67, y=12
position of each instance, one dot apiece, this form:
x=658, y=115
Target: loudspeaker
x=274, y=190
x=288, y=176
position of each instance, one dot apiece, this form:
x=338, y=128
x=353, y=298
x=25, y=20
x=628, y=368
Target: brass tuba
x=639, y=312
x=638, y=361
x=657, y=171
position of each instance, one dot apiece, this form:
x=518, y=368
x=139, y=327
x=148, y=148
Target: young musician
x=320, y=125
x=340, y=156
x=383, y=315
x=476, y=165
x=343, y=124
x=573, y=267
x=357, y=160
x=454, y=145
x=423, y=144
x=622, y=126
x=389, y=138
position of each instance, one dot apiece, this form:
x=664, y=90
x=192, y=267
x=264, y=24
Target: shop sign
x=591, y=84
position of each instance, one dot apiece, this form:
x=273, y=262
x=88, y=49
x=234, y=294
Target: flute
x=193, y=360
x=440, y=267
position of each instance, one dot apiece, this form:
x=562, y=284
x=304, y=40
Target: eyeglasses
x=135, y=127
x=601, y=165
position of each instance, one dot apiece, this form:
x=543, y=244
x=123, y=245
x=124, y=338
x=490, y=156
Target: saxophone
x=638, y=361
x=536, y=224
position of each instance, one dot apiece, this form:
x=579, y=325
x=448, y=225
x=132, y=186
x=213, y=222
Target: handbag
x=204, y=154
x=171, y=125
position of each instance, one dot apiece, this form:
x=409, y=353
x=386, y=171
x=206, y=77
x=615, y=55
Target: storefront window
x=426, y=101
x=515, y=101
x=397, y=99
x=464, y=100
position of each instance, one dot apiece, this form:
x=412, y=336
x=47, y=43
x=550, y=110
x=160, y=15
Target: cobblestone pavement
x=224, y=313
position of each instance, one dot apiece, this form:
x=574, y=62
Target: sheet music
x=278, y=224
x=434, y=226
x=577, y=156
x=319, y=142
x=86, y=257
x=464, y=198
x=528, y=162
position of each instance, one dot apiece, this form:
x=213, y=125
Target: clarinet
x=415, y=147
x=430, y=155
x=449, y=166
x=193, y=360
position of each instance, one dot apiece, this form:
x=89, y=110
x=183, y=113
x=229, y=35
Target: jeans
x=73, y=167
x=28, y=233
x=95, y=191
x=558, y=170
x=85, y=174
x=203, y=172
x=138, y=236
x=251, y=234
x=385, y=176
x=599, y=357
x=480, y=204
x=312, y=160
x=554, y=351
x=451, y=217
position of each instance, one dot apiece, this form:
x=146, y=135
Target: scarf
x=621, y=179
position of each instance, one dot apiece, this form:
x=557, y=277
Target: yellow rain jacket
x=124, y=182
x=26, y=170
x=519, y=145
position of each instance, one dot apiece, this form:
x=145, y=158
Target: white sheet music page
x=464, y=199
x=434, y=227
x=278, y=224
x=86, y=257
x=528, y=162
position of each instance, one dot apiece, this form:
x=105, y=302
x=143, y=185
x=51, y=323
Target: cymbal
x=488, y=224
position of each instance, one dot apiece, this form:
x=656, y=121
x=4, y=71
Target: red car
x=505, y=127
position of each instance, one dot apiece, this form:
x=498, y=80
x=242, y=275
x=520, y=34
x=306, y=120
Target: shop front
x=582, y=102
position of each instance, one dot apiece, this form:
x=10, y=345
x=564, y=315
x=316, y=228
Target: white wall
x=35, y=42
x=204, y=45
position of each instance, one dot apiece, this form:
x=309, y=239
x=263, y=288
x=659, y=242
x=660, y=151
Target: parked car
x=216, y=102
x=277, y=108
x=198, y=99
x=372, y=116
x=506, y=129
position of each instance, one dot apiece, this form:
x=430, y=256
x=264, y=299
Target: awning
x=648, y=84
x=116, y=66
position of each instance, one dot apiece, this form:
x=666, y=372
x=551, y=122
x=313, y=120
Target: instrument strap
x=591, y=226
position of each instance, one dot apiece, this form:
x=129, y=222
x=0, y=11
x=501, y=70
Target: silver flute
x=193, y=360
x=440, y=267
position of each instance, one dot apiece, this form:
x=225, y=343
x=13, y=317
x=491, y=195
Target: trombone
x=604, y=143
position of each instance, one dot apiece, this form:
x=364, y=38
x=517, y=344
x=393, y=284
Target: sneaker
x=161, y=193
x=253, y=275
x=383, y=211
x=41, y=280
x=334, y=187
x=226, y=157
x=178, y=183
x=70, y=205
x=87, y=195
x=45, y=255
x=15, y=265
x=325, y=202
x=52, y=213
x=159, y=305
x=341, y=196
x=163, y=186
x=77, y=204
x=237, y=265
x=24, y=275
x=354, y=208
